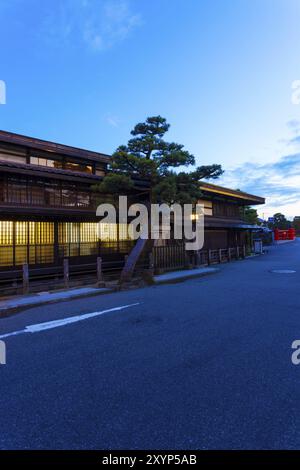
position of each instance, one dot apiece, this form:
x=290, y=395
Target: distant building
x=224, y=224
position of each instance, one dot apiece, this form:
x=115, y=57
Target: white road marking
x=64, y=321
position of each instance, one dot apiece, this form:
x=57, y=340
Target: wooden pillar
x=27, y=240
x=209, y=257
x=151, y=263
x=220, y=255
x=25, y=279
x=244, y=251
x=56, y=243
x=229, y=254
x=237, y=252
x=187, y=260
x=99, y=272
x=66, y=273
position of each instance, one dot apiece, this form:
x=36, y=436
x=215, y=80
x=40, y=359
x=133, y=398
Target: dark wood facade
x=224, y=223
x=48, y=207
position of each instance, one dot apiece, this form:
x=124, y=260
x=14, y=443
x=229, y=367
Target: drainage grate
x=283, y=271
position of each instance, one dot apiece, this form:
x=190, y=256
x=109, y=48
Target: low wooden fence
x=163, y=258
x=168, y=258
x=29, y=280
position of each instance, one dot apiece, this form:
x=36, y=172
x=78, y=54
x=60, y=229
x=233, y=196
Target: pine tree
x=147, y=156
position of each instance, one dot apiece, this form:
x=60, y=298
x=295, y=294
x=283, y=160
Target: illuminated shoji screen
x=77, y=239
x=22, y=242
x=6, y=233
x=88, y=232
x=6, y=243
x=114, y=232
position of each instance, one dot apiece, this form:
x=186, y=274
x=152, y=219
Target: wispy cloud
x=294, y=125
x=112, y=121
x=277, y=181
x=99, y=24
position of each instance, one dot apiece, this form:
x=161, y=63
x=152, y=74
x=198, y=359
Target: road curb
x=6, y=312
x=174, y=278
x=167, y=278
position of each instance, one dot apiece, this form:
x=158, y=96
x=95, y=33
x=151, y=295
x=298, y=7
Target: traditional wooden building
x=224, y=216
x=48, y=208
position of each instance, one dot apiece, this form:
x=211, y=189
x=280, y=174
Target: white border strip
x=64, y=321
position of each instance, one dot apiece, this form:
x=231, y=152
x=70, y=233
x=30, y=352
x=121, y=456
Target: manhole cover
x=283, y=271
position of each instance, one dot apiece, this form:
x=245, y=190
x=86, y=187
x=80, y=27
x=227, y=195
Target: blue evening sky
x=83, y=72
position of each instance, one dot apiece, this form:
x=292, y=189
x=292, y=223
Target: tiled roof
x=47, y=146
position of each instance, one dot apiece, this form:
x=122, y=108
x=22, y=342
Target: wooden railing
x=164, y=258
x=167, y=258
x=28, y=279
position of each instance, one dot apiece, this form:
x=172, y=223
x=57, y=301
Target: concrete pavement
x=15, y=304
x=26, y=301
x=203, y=364
x=178, y=276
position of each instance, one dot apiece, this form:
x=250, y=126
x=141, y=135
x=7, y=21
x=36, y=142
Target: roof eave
x=242, y=197
x=52, y=147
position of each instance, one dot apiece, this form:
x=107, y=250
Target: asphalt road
x=204, y=364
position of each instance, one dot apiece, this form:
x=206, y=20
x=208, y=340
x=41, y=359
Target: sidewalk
x=15, y=303
x=177, y=276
